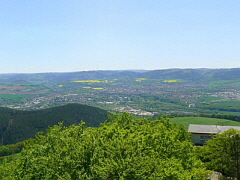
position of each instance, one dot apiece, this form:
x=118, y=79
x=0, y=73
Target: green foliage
x=11, y=149
x=121, y=148
x=222, y=153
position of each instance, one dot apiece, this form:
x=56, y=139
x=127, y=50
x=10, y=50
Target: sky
x=81, y=35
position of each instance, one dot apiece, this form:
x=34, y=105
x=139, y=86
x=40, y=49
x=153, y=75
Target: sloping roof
x=209, y=129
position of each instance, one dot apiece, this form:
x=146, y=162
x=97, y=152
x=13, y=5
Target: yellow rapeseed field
x=87, y=81
x=140, y=79
x=91, y=81
x=171, y=81
x=97, y=88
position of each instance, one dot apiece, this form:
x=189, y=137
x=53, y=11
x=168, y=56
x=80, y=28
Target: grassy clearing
x=202, y=120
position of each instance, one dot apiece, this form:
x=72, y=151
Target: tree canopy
x=123, y=147
x=222, y=153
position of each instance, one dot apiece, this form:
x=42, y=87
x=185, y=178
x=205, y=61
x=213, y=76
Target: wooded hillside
x=16, y=126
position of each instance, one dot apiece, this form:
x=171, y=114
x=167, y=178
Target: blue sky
x=77, y=35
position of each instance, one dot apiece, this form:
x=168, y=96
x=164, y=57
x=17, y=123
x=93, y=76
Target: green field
x=231, y=83
x=227, y=103
x=211, y=98
x=202, y=120
x=14, y=96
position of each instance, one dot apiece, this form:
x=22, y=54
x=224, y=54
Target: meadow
x=203, y=120
x=14, y=96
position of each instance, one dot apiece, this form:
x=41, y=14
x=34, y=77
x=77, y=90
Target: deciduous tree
x=222, y=153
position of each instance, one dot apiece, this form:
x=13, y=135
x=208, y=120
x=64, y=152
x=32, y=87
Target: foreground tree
x=122, y=148
x=222, y=153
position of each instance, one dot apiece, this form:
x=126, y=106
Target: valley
x=53, y=117
x=147, y=93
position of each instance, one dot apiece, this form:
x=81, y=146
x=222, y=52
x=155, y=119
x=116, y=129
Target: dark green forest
x=16, y=126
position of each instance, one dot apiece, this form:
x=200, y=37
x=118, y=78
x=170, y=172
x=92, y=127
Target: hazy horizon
x=70, y=36
x=133, y=70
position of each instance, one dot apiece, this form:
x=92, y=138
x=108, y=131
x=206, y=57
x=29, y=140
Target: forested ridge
x=187, y=74
x=16, y=126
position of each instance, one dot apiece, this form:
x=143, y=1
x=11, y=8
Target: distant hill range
x=16, y=126
x=186, y=74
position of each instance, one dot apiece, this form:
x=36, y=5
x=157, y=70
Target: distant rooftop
x=209, y=129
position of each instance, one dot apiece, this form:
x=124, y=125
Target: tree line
x=222, y=116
